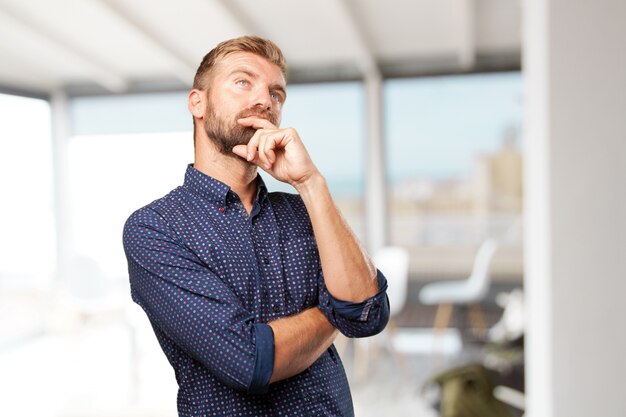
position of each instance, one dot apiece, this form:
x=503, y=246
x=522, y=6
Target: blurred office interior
x=476, y=147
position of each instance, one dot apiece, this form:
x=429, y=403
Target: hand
x=280, y=152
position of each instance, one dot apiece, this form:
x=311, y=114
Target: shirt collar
x=214, y=190
x=261, y=189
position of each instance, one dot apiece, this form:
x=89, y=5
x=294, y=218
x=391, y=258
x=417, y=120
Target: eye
x=243, y=83
x=276, y=97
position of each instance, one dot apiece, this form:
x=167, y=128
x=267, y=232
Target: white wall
x=575, y=69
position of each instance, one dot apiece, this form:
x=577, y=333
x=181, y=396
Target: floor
x=92, y=369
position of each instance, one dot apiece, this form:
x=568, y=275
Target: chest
x=270, y=265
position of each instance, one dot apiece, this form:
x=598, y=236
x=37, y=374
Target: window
x=454, y=162
x=110, y=177
x=27, y=246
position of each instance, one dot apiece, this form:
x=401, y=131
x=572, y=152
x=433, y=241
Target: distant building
x=488, y=202
x=497, y=179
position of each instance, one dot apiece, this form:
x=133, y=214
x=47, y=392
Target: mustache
x=259, y=112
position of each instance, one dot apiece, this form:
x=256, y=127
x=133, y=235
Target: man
x=246, y=289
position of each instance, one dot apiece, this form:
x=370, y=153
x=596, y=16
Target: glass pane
x=27, y=247
x=110, y=177
x=455, y=167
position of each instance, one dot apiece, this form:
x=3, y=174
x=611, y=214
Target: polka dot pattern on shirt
x=210, y=276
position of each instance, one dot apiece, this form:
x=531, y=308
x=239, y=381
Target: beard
x=226, y=134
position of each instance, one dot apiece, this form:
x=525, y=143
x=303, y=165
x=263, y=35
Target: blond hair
x=254, y=44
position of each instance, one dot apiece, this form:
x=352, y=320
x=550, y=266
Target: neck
x=233, y=171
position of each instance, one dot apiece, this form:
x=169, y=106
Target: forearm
x=348, y=272
x=299, y=341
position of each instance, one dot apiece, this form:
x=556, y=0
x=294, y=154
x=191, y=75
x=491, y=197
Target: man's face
x=242, y=84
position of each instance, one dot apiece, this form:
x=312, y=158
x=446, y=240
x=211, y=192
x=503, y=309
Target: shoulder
x=155, y=215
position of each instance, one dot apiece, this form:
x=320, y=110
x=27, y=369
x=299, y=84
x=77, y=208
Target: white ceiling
x=113, y=46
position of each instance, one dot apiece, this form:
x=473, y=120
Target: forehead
x=248, y=62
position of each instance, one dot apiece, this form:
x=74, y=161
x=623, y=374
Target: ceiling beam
x=366, y=61
x=467, y=34
x=241, y=19
x=22, y=75
x=180, y=67
x=97, y=71
x=17, y=91
x=409, y=68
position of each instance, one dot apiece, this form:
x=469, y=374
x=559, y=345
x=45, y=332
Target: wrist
x=312, y=185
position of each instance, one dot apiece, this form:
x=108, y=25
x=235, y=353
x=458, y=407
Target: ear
x=196, y=103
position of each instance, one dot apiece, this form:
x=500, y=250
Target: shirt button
x=266, y=260
x=221, y=209
x=275, y=308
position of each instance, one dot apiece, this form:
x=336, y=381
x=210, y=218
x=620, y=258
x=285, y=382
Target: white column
x=376, y=186
x=575, y=176
x=60, y=136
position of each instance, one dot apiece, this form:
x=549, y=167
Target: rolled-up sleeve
x=194, y=308
x=366, y=318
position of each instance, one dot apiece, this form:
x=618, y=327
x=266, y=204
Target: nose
x=262, y=98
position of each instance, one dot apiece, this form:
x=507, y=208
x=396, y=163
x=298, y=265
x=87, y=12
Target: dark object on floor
x=467, y=391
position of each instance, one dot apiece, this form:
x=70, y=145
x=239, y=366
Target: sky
x=435, y=125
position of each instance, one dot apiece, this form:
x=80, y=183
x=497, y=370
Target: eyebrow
x=246, y=72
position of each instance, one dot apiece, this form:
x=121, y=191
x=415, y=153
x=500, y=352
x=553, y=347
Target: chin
x=242, y=136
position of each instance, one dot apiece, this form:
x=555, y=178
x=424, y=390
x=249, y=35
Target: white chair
x=467, y=292
x=393, y=262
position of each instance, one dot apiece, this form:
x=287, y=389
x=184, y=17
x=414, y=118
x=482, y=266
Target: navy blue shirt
x=210, y=277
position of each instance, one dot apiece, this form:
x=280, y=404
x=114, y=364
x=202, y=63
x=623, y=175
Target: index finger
x=256, y=122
